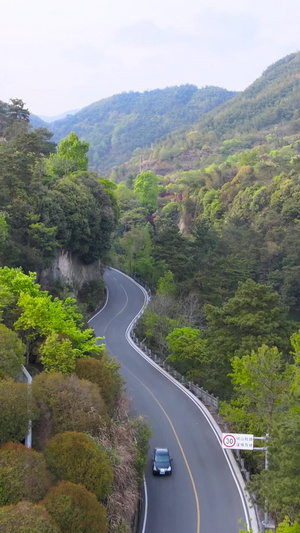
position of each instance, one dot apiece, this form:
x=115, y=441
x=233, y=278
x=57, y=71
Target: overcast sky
x=59, y=55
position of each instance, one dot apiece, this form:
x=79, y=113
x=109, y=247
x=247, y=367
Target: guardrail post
x=28, y=440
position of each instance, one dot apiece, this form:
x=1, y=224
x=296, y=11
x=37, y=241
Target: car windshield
x=161, y=457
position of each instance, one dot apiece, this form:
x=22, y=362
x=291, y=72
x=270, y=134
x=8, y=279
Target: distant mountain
x=270, y=105
x=37, y=122
x=115, y=127
x=43, y=121
x=58, y=117
x=270, y=100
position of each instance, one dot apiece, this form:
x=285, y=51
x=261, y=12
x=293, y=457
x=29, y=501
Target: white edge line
x=102, y=308
x=239, y=481
x=145, y=506
x=236, y=474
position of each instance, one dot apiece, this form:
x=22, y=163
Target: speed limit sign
x=229, y=441
x=237, y=441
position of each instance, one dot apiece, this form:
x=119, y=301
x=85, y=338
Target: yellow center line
x=121, y=311
x=179, y=444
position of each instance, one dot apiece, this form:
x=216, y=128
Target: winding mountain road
x=203, y=494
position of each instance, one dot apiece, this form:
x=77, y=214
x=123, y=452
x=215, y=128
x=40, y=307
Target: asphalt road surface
x=201, y=495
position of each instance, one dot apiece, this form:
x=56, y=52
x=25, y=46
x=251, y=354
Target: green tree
x=28, y=518
x=3, y=231
x=13, y=281
x=166, y=284
x=155, y=327
x=12, y=352
x=23, y=474
x=17, y=110
x=295, y=341
x=75, y=457
x=280, y=484
x=127, y=200
x=92, y=294
x=168, y=215
x=287, y=527
x=75, y=509
x=60, y=325
x=57, y=354
x=133, y=247
x=71, y=156
x=188, y=352
x=254, y=316
x=206, y=256
x=260, y=390
x=43, y=238
x=57, y=325
x=173, y=249
x=85, y=212
x=146, y=187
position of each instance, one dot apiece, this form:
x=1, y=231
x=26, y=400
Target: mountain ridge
x=184, y=127
x=118, y=125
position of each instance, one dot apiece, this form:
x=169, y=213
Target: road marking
x=145, y=506
x=178, y=442
x=181, y=449
x=121, y=311
x=191, y=397
x=206, y=415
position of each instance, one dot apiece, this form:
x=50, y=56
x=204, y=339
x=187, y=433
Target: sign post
x=240, y=441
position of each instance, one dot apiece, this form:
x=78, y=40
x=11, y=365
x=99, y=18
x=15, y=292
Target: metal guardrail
x=208, y=399
x=28, y=379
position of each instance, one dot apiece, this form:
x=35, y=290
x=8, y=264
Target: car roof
x=161, y=450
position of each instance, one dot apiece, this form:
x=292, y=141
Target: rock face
x=68, y=269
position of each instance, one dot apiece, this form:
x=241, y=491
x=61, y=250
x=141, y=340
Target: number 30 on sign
x=237, y=441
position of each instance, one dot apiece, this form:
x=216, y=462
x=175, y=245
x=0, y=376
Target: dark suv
x=161, y=462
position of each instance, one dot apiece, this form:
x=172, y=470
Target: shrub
x=142, y=434
x=103, y=371
x=92, y=293
x=68, y=403
x=23, y=474
x=26, y=517
x=17, y=408
x=75, y=457
x=75, y=509
x=12, y=352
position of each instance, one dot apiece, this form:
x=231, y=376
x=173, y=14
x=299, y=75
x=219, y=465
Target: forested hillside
x=216, y=236
x=76, y=405
x=48, y=200
x=115, y=127
x=210, y=220
x=77, y=410
x=269, y=106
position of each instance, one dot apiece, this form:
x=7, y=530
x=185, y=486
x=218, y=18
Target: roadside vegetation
x=210, y=220
x=84, y=470
x=219, y=247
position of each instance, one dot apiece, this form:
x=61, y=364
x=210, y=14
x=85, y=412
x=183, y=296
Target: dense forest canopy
x=50, y=203
x=219, y=245
x=48, y=199
x=117, y=126
x=268, y=106
x=209, y=218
